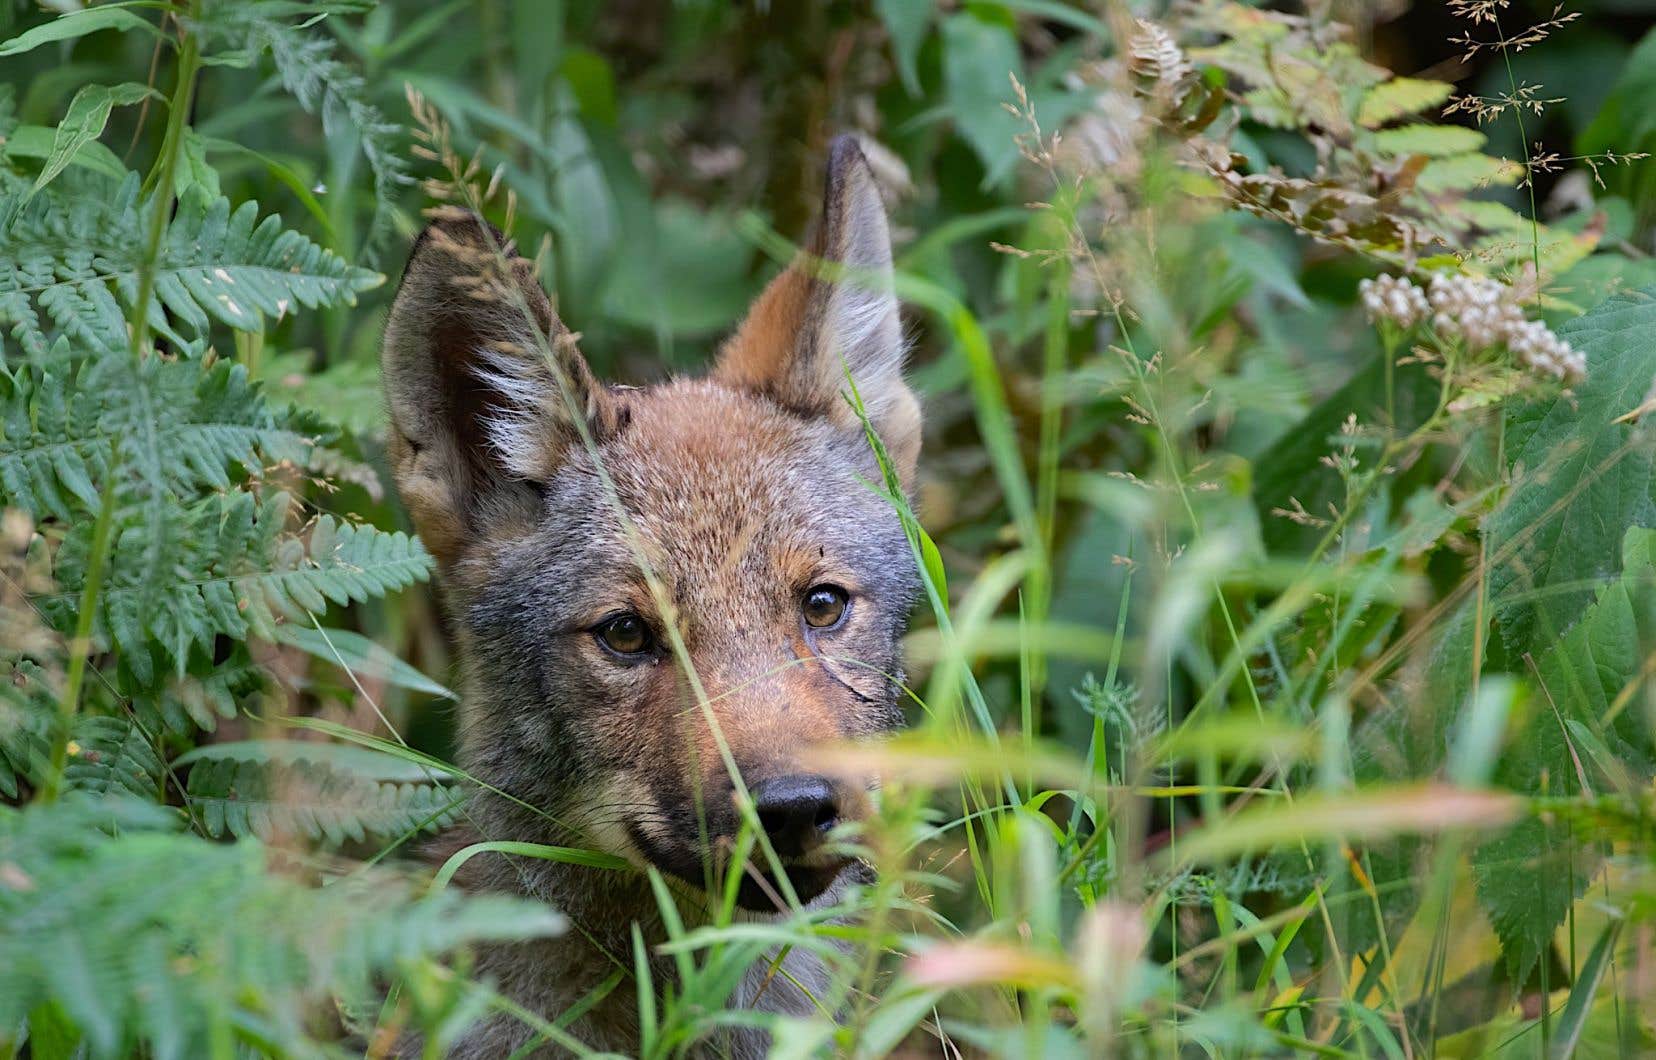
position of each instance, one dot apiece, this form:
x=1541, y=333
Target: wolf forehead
x=709, y=486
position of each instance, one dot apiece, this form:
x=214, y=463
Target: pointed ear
x=813, y=323
x=485, y=388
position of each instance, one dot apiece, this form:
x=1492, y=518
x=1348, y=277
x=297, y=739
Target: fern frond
x=28, y=712
x=68, y=252
x=323, y=85
x=57, y=431
x=233, y=569
x=204, y=697
x=112, y=756
x=157, y=943
x=312, y=799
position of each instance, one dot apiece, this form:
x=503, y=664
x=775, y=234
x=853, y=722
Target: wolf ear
x=813, y=323
x=479, y=411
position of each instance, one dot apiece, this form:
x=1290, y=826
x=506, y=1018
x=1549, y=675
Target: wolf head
x=657, y=591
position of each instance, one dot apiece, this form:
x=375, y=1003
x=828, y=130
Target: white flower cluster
x=1393, y=298
x=1480, y=312
x=1477, y=311
x=1541, y=349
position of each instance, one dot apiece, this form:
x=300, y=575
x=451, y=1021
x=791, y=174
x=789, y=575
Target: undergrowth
x=1288, y=532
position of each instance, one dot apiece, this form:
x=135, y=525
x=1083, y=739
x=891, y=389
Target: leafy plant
x=1283, y=679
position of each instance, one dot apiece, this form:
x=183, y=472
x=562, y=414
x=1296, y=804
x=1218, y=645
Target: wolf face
x=655, y=592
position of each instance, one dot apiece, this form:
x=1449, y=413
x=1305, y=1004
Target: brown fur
x=707, y=507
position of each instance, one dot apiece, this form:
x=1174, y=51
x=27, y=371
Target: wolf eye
x=824, y=606
x=625, y=634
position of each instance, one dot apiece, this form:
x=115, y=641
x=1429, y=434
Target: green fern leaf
x=151, y=942
x=322, y=84
x=1434, y=141
x=57, y=432
x=112, y=755
x=28, y=713
x=204, y=697
x=233, y=569
x=69, y=251
x=311, y=799
x=1399, y=98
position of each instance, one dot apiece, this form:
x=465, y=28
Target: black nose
x=795, y=811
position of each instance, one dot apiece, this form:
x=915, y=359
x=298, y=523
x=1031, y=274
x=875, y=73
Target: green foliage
x=73, y=260
x=156, y=501
x=1586, y=478
x=1529, y=878
x=234, y=570
x=1218, y=562
x=61, y=429
x=322, y=84
x=312, y=800
x=141, y=937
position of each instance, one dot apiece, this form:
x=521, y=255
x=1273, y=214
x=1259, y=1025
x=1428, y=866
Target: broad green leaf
x=78, y=24
x=356, y=653
x=980, y=58
x=36, y=141
x=906, y=22
x=1529, y=878
x=1580, y=479
x=84, y=122
x=1467, y=172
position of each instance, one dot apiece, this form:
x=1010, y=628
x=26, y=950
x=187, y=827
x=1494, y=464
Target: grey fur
x=736, y=500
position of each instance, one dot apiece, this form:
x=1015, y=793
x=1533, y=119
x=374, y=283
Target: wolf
x=661, y=598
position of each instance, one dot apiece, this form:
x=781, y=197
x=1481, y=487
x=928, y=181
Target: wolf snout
x=796, y=811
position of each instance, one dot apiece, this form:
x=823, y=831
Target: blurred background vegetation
x=658, y=157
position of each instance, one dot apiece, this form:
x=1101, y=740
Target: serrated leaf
x=313, y=799
x=155, y=943
x=1467, y=172
x=235, y=569
x=1581, y=479
x=73, y=262
x=361, y=761
x=112, y=755
x=1399, y=98
x=1529, y=878
x=1435, y=141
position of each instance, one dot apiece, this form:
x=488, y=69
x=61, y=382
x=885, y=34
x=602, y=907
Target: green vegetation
x=1288, y=507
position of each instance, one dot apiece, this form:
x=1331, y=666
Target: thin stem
x=164, y=173
x=81, y=646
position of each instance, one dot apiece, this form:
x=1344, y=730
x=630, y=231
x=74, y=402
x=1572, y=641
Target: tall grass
x=1280, y=680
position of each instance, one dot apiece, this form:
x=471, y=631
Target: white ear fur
x=476, y=406
x=861, y=327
